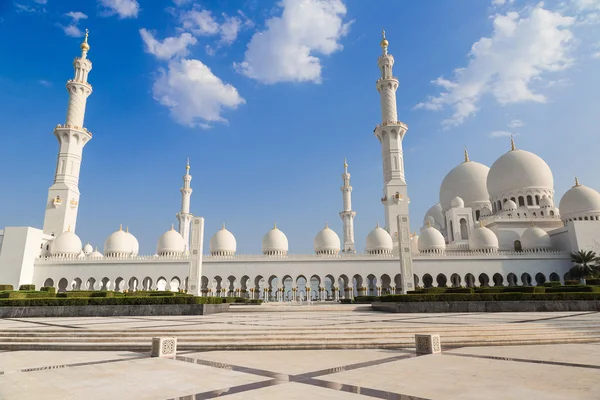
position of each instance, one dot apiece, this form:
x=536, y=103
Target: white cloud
x=587, y=4
x=72, y=29
x=497, y=134
x=202, y=23
x=45, y=83
x=287, y=50
x=502, y=2
x=515, y=123
x=521, y=50
x=122, y=8
x=194, y=95
x=180, y=3
x=168, y=48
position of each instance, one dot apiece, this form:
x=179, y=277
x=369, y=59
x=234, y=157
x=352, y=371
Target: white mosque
x=491, y=226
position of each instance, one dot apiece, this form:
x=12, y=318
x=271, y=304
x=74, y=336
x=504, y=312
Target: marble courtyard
x=324, y=352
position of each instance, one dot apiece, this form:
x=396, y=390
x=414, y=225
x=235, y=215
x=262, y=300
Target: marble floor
x=565, y=370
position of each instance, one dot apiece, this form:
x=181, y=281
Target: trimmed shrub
x=418, y=291
x=524, y=289
x=366, y=299
x=27, y=287
x=435, y=290
x=349, y=301
x=552, y=284
x=6, y=287
x=228, y=299
x=460, y=290
x=399, y=298
x=48, y=289
x=574, y=289
x=572, y=282
x=590, y=281
x=256, y=301
x=22, y=294
x=85, y=301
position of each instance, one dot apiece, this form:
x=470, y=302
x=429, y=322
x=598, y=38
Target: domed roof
x=95, y=254
x=171, y=242
x=223, y=242
x=457, y=202
x=579, y=201
x=66, y=244
x=509, y=205
x=535, y=238
x=467, y=180
x=327, y=241
x=120, y=243
x=379, y=240
x=135, y=245
x=437, y=216
x=431, y=239
x=88, y=249
x=545, y=201
x=482, y=238
x=274, y=241
x=518, y=170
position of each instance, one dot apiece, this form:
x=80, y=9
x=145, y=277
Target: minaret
x=63, y=195
x=347, y=215
x=395, y=196
x=184, y=215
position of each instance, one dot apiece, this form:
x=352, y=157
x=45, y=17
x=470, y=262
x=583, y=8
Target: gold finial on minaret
x=384, y=42
x=275, y=225
x=84, y=45
x=120, y=227
x=512, y=143
x=466, y=155
x=223, y=226
x=326, y=225
x=577, y=182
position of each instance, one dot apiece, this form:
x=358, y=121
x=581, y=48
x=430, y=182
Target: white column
x=196, y=246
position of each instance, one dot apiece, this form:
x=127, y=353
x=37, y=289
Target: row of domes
x=482, y=239
x=275, y=243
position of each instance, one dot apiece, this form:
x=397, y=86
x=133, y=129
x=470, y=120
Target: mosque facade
x=492, y=226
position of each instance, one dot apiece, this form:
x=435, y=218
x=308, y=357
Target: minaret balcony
x=78, y=128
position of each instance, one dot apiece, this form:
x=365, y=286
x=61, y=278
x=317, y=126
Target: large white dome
x=67, y=244
x=437, y=217
x=170, y=243
x=579, y=201
x=483, y=239
x=535, y=238
x=223, y=243
x=119, y=244
x=467, y=181
x=519, y=170
x=379, y=241
x=275, y=242
x=135, y=245
x=431, y=239
x=327, y=242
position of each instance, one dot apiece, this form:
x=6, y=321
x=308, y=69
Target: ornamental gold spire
x=85, y=47
x=466, y=155
x=512, y=143
x=384, y=42
x=577, y=182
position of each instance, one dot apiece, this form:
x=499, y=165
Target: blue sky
x=267, y=98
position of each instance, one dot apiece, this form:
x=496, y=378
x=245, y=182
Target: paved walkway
x=547, y=371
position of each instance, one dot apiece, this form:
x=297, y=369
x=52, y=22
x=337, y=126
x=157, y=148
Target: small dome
x=88, y=249
x=457, y=202
x=509, y=205
x=535, y=238
x=327, y=242
x=467, y=180
x=275, y=242
x=431, y=240
x=170, y=243
x=545, y=202
x=519, y=170
x=120, y=244
x=67, y=244
x=435, y=216
x=485, y=212
x=379, y=241
x=483, y=239
x=580, y=201
x=223, y=243
x=95, y=254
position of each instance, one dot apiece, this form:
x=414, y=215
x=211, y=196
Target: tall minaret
x=63, y=195
x=390, y=134
x=184, y=215
x=347, y=215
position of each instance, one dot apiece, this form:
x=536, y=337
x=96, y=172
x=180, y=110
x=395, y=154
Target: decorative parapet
x=493, y=218
x=79, y=128
x=386, y=123
x=498, y=254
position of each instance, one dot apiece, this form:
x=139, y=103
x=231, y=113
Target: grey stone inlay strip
x=306, y=378
x=41, y=323
x=80, y=364
x=553, y=318
x=500, y=358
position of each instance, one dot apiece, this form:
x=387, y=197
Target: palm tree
x=583, y=268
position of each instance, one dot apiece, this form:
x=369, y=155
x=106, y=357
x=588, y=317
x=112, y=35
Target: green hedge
x=574, y=289
x=22, y=294
x=256, y=301
x=27, y=287
x=366, y=299
x=85, y=301
x=6, y=287
x=48, y=289
x=572, y=282
x=552, y=284
x=399, y=298
x=592, y=281
x=349, y=301
x=86, y=293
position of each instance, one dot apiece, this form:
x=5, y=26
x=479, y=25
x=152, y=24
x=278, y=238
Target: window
x=537, y=200
x=521, y=201
x=464, y=230
x=529, y=200
x=477, y=214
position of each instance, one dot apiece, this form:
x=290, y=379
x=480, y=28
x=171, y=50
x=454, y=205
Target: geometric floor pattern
x=547, y=371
